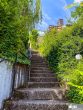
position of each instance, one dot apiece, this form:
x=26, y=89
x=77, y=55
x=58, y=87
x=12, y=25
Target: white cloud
x=43, y=25
x=50, y=20
x=41, y=33
x=78, y=1
x=46, y=16
x=67, y=11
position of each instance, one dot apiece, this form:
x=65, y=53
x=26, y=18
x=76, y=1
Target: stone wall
x=7, y=80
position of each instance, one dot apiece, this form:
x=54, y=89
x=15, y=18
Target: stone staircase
x=42, y=91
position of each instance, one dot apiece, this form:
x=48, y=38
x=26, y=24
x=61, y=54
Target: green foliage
x=33, y=39
x=75, y=95
x=78, y=12
x=48, y=41
x=17, y=18
x=75, y=81
x=60, y=49
x=23, y=59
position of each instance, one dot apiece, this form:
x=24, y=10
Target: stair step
x=39, y=65
x=40, y=94
x=39, y=105
x=43, y=84
x=34, y=52
x=37, y=59
x=40, y=68
x=38, y=62
x=40, y=71
x=43, y=79
x=41, y=75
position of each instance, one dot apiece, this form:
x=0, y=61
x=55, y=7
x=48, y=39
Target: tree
x=34, y=38
x=18, y=18
x=78, y=12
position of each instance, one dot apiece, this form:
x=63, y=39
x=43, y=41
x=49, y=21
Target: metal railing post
x=30, y=55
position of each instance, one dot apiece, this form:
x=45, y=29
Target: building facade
x=59, y=25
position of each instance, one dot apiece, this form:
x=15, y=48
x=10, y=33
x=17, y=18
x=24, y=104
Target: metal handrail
x=30, y=55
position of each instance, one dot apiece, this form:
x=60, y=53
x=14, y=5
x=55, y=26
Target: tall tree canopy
x=17, y=19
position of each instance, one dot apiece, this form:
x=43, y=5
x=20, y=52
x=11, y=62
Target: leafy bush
x=75, y=81
x=60, y=49
x=17, y=18
x=33, y=39
x=75, y=95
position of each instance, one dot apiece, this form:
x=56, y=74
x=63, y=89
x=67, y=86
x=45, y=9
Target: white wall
x=5, y=80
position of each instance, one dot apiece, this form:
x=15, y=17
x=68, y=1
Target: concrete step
x=34, y=52
x=38, y=105
x=37, y=59
x=40, y=71
x=40, y=68
x=40, y=94
x=42, y=84
x=42, y=75
x=43, y=79
x=38, y=63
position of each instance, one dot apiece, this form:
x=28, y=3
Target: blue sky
x=52, y=10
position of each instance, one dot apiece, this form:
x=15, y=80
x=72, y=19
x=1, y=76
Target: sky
x=52, y=10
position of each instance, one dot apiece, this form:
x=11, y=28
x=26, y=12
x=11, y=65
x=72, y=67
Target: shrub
x=75, y=82
x=33, y=39
x=60, y=50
